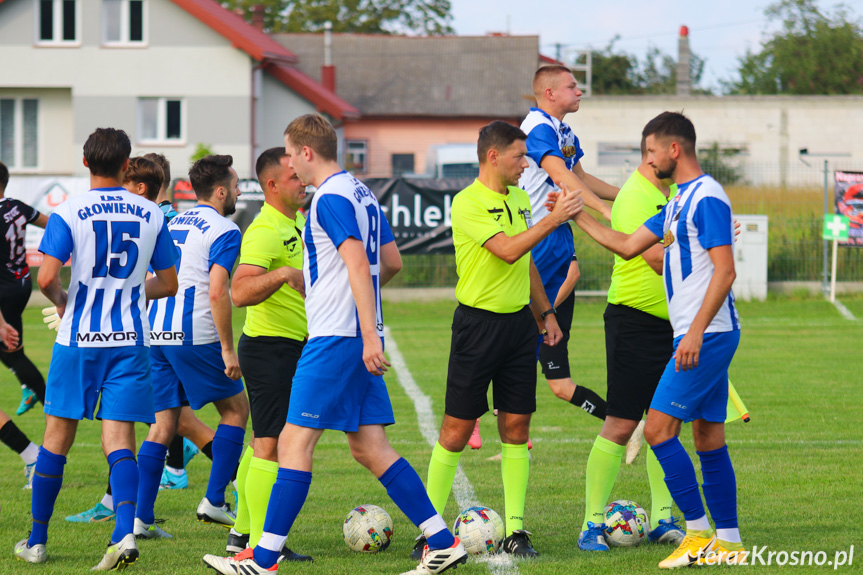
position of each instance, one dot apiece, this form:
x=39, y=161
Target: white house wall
x=773, y=129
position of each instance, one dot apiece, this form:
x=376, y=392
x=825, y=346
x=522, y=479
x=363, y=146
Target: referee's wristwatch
x=548, y=312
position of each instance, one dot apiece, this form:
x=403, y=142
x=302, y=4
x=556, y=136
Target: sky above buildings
x=720, y=32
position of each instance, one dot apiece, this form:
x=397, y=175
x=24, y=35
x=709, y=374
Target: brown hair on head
x=314, y=131
x=544, y=76
x=163, y=163
x=675, y=126
x=498, y=136
x=143, y=171
x=209, y=173
x=106, y=150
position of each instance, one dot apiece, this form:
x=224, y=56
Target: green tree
x=201, y=151
x=614, y=72
x=719, y=163
x=431, y=17
x=813, y=52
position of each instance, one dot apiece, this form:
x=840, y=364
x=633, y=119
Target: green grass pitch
x=798, y=465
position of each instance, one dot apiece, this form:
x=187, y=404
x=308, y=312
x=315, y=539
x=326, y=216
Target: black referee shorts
x=491, y=347
x=637, y=349
x=13, y=299
x=268, y=365
x=554, y=360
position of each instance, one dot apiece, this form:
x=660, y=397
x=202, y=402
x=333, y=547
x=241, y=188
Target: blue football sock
x=151, y=460
x=680, y=477
x=406, y=489
x=124, y=487
x=46, y=487
x=227, y=448
x=286, y=500
x=720, y=487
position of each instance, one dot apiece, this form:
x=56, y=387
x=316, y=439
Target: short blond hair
x=543, y=77
x=314, y=131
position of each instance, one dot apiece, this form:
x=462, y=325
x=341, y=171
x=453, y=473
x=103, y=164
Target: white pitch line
x=846, y=313
x=462, y=489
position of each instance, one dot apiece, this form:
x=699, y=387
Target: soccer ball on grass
x=368, y=529
x=626, y=523
x=480, y=530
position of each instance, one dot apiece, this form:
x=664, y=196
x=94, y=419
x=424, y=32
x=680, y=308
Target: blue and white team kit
x=697, y=219
x=548, y=136
x=332, y=388
x=185, y=350
x=112, y=236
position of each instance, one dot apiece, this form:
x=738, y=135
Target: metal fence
x=795, y=210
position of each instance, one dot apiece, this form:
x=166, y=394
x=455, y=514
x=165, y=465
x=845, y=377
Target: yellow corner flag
x=736, y=409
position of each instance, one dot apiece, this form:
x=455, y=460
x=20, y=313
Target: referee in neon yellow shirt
x=494, y=331
x=639, y=342
x=269, y=280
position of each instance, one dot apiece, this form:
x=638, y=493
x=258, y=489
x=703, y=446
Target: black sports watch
x=548, y=312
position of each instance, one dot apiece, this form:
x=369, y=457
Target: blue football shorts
x=190, y=375
x=117, y=378
x=332, y=388
x=700, y=393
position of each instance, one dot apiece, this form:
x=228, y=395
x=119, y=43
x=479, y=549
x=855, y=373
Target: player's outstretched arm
x=391, y=262
x=353, y=253
x=49, y=282
x=689, y=348
x=538, y=304
x=220, y=306
x=556, y=169
x=41, y=221
x=626, y=246
x=253, y=284
x=162, y=284
x=511, y=248
x=599, y=187
x=568, y=286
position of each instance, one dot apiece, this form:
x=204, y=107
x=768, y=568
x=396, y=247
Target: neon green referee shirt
x=272, y=241
x=634, y=283
x=484, y=280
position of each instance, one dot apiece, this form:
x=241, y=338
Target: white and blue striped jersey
x=343, y=207
x=696, y=219
x=204, y=238
x=546, y=135
x=112, y=236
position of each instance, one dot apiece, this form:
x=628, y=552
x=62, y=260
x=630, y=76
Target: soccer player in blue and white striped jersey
x=194, y=360
x=100, y=355
x=697, y=230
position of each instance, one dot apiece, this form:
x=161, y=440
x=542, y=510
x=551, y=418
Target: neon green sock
x=515, y=468
x=603, y=463
x=241, y=524
x=441, y=474
x=660, y=498
x=259, y=484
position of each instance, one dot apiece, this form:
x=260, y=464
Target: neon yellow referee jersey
x=634, y=283
x=272, y=241
x=484, y=280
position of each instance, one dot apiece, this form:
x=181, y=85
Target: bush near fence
x=795, y=214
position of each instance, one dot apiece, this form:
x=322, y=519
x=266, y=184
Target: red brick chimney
x=683, y=73
x=258, y=16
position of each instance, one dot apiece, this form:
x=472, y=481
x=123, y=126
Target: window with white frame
x=123, y=22
x=356, y=154
x=161, y=120
x=58, y=22
x=19, y=132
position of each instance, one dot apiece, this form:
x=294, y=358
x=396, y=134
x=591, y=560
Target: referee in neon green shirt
x=639, y=342
x=494, y=331
x=269, y=280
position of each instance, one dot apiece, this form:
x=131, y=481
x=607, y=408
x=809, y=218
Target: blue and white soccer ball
x=626, y=523
x=480, y=530
x=368, y=529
